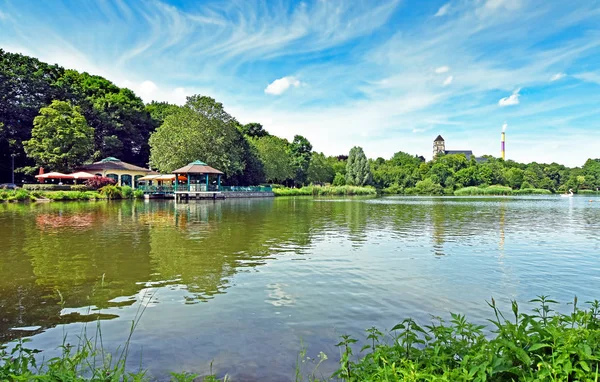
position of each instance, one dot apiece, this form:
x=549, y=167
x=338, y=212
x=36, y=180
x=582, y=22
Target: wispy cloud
x=442, y=69
x=443, y=10
x=557, y=77
x=593, y=77
x=513, y=99
x=448, y=80
x=280, y=85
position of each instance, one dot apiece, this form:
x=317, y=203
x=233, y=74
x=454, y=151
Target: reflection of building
x=439, y=147
x=124, y=174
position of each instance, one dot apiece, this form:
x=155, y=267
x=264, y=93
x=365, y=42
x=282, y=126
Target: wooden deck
x=198, y=195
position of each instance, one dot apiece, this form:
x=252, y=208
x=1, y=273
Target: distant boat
x=569, y=195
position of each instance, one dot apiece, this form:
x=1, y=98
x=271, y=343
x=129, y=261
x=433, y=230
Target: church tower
x=439, y=146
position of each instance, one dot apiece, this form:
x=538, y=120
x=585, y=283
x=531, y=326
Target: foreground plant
x=544, y=346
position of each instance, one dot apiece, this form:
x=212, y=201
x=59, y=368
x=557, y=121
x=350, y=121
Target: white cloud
x=442, y=69
x=589, y=77
x=443, y=10
x=513, y=99
x=507, y=4
x=279, y=86
x=557, y=77
x=448, y=80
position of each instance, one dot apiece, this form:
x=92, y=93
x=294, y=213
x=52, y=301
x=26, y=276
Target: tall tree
x=320, y=169
x=61, y=137
x=200, y=130
x=275, y=154
x=301, y=151
x=358, y=171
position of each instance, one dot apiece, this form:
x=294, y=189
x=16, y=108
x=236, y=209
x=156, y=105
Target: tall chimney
x=503, y=146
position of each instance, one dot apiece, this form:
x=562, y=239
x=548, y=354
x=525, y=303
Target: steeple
x=439, y=146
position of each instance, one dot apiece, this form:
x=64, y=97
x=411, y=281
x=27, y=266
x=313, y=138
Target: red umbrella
x=41, y=173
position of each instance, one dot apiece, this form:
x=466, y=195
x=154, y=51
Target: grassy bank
x=325, y=191
x=499, y=190
x=541, y=345
x=107, y=192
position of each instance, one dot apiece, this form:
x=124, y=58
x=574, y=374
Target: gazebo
x=198, y=176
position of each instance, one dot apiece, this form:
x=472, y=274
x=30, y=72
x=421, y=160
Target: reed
x=326, y=191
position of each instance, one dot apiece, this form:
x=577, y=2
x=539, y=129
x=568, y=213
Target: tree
x=254, y=130
x=275, y=155
x=160, y=110
x=301, y=151
x=358, y=171
x=319, y=169
x=200, y=130
x=60, y=138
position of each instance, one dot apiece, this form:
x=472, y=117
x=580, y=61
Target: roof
x=467, y=153
x=112, y=163
x=197, y=167
x=439, y=139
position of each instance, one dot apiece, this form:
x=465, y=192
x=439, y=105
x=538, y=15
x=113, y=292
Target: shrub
x=127, y=192
x=99, y=182
x=111, y=192
x=339, y=180
x=325, y=191
x=489, y=190
x=138, y=194
x=80, y=187
x=532, y=191
x=540, y=346
x=46, y=187
x=588, y=192
x=394, y=189
x=428, y=187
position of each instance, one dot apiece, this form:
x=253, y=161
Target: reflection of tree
x=438, y=226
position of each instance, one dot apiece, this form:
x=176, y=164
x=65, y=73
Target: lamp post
x=13, y=167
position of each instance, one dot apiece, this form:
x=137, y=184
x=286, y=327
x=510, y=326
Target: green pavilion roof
x=197, y=167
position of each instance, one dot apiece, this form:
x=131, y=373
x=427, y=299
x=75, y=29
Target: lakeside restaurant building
x=124, y=174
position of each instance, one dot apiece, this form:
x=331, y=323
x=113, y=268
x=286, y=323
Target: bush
x=489, y=190
x=588, y=192
x=540, y=346
x=138, y=194
x=80, y=187
x=111, y=192
x=46, y=187
x=99, y=182
x=394, y=189
x=339, y=180
x=325, y=191
x=428, y=187
x=532, y=191
x=127, y=192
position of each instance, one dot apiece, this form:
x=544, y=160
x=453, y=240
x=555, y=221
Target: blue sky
x=387, y=75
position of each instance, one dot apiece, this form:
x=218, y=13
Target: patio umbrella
x=82, y=175
x=54, y=175
x=41, y=173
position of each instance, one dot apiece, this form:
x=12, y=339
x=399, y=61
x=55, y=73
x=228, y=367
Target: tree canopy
x=274, y=152
x=200, y=130
x=60, y=138
x=358, y=171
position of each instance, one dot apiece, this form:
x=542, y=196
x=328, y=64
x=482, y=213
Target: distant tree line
x=60, y=118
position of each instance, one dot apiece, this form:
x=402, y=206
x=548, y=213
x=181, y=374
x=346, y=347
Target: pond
x=244, y=284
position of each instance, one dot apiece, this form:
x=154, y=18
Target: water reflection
x=231, y=272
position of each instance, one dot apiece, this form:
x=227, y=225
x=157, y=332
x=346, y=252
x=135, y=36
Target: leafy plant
x=111, y=192
x=99, y=182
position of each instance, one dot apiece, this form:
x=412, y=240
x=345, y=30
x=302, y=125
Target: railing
x=246, y=189
x=151, y=189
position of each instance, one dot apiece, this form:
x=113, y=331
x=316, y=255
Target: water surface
x=240, y=283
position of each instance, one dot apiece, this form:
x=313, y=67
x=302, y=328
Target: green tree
x=320, y=170
x=301, y=151
x=60, y=138
x=254, y=130
x=200, y=130
x=275, y=155
x=339, y=179
x=160, y=110
x=358, y=171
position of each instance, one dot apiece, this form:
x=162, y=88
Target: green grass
x=107, y=192
x=539, y=346
x=588, y=192
x=499, y=190
x=325, y=191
